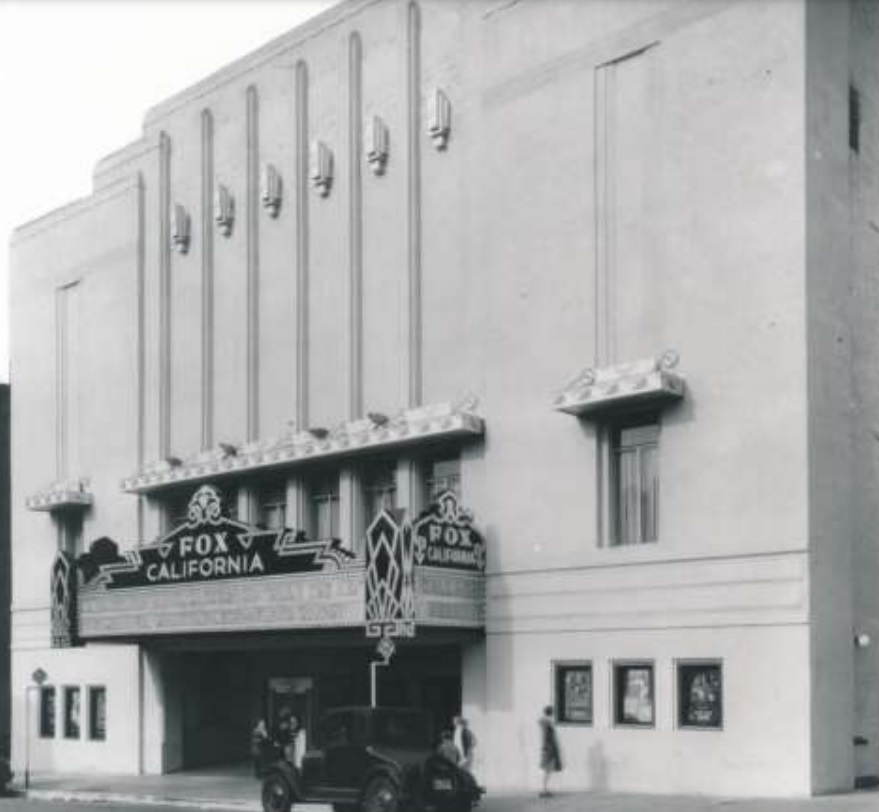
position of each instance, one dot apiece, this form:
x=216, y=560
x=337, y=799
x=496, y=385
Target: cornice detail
x=375, y=432
x=63, y=495
x=647, y=380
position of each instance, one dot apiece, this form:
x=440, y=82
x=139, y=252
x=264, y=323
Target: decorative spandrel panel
x=63, y=601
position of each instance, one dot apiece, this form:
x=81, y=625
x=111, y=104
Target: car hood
x=405, y=756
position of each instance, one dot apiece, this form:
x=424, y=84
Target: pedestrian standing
x=465, y=741
x=295, y=748
x=259, y=745
x=550, y=754
x=447, y=748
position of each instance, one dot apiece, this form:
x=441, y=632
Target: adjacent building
x=5, y=572
x=478, y=355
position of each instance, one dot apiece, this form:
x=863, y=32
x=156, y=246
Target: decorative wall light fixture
x=439, y=119
x=321, y=161
x=224, y=210
x=270, y=189
x=180, y=233
x=377, y=418
x=377, y=145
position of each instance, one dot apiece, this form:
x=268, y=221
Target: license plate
x=442, y=784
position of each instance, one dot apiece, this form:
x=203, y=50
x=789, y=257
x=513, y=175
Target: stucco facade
x=445, y=211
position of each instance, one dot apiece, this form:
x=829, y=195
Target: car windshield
x=401, y=729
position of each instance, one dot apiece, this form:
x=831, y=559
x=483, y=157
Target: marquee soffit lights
x=63, y=495
x=376, y=431
x=648, y=380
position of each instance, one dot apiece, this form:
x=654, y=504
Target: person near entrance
x=550, y=754
x=447, y=748
x=465, y=741
x=289, y=736
x=260, y=747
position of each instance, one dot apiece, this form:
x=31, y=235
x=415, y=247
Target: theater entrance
x=213, y=697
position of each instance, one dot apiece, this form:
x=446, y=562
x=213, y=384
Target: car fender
x=385, y=767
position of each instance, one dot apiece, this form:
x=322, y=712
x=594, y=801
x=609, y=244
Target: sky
x=77, y=77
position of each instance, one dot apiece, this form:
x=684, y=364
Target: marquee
x=213, y=573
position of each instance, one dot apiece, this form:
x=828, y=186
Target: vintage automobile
x=372, y=760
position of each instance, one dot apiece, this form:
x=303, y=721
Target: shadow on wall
x=597, y=767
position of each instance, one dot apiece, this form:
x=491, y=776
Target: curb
x=141, y=800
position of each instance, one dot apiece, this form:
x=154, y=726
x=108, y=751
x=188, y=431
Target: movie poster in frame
x=573, y=692
x=634, y=700
x=700, y=694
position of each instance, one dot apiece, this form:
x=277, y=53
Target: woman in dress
x=550, y=756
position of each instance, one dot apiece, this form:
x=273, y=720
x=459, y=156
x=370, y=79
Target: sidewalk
x=236, y=790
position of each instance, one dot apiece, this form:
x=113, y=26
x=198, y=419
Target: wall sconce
x=321, y=160
x=377, y=418
x=271, y=189
x=377, y=145
x=224, y=210
x=439, y=119
x=862, y=640
x=180, y=232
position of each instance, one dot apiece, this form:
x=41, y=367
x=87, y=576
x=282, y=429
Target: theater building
x=485, y=354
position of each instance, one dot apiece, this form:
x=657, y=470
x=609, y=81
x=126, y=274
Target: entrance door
x=294, y=693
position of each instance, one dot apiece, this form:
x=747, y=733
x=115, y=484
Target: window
x=97, y=713
x=175, y=510
x=271, y=504
x=573, y=693
x=379, y=488
x=633, y=694
x=47, y=712
x=441, y=475
x=71, y=712
x=324, y=498
x=635, y=483
x=700, y=695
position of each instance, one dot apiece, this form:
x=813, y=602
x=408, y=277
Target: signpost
x=39, y=677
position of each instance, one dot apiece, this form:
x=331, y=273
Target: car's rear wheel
x=276, y=794
x=381, y=795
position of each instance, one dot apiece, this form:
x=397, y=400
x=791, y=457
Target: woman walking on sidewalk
x=550, y=755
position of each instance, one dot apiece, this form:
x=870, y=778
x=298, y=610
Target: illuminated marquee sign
x=213, y=573
x=444, y=536
x=208, y=547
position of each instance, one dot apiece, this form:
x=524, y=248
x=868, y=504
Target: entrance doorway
x=222, y=693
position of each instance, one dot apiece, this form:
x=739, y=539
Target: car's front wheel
x=276, y=794
x=381, y=795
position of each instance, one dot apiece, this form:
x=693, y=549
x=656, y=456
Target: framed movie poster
x=573, y=693
x=71, y=712
x=47, y=712
x=633, y=694
x=700, y=694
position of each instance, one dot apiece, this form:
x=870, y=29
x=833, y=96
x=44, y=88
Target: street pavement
x=511, y=802
x=236, y=790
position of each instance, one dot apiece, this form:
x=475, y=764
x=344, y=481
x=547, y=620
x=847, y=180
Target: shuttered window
x=636, y=483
